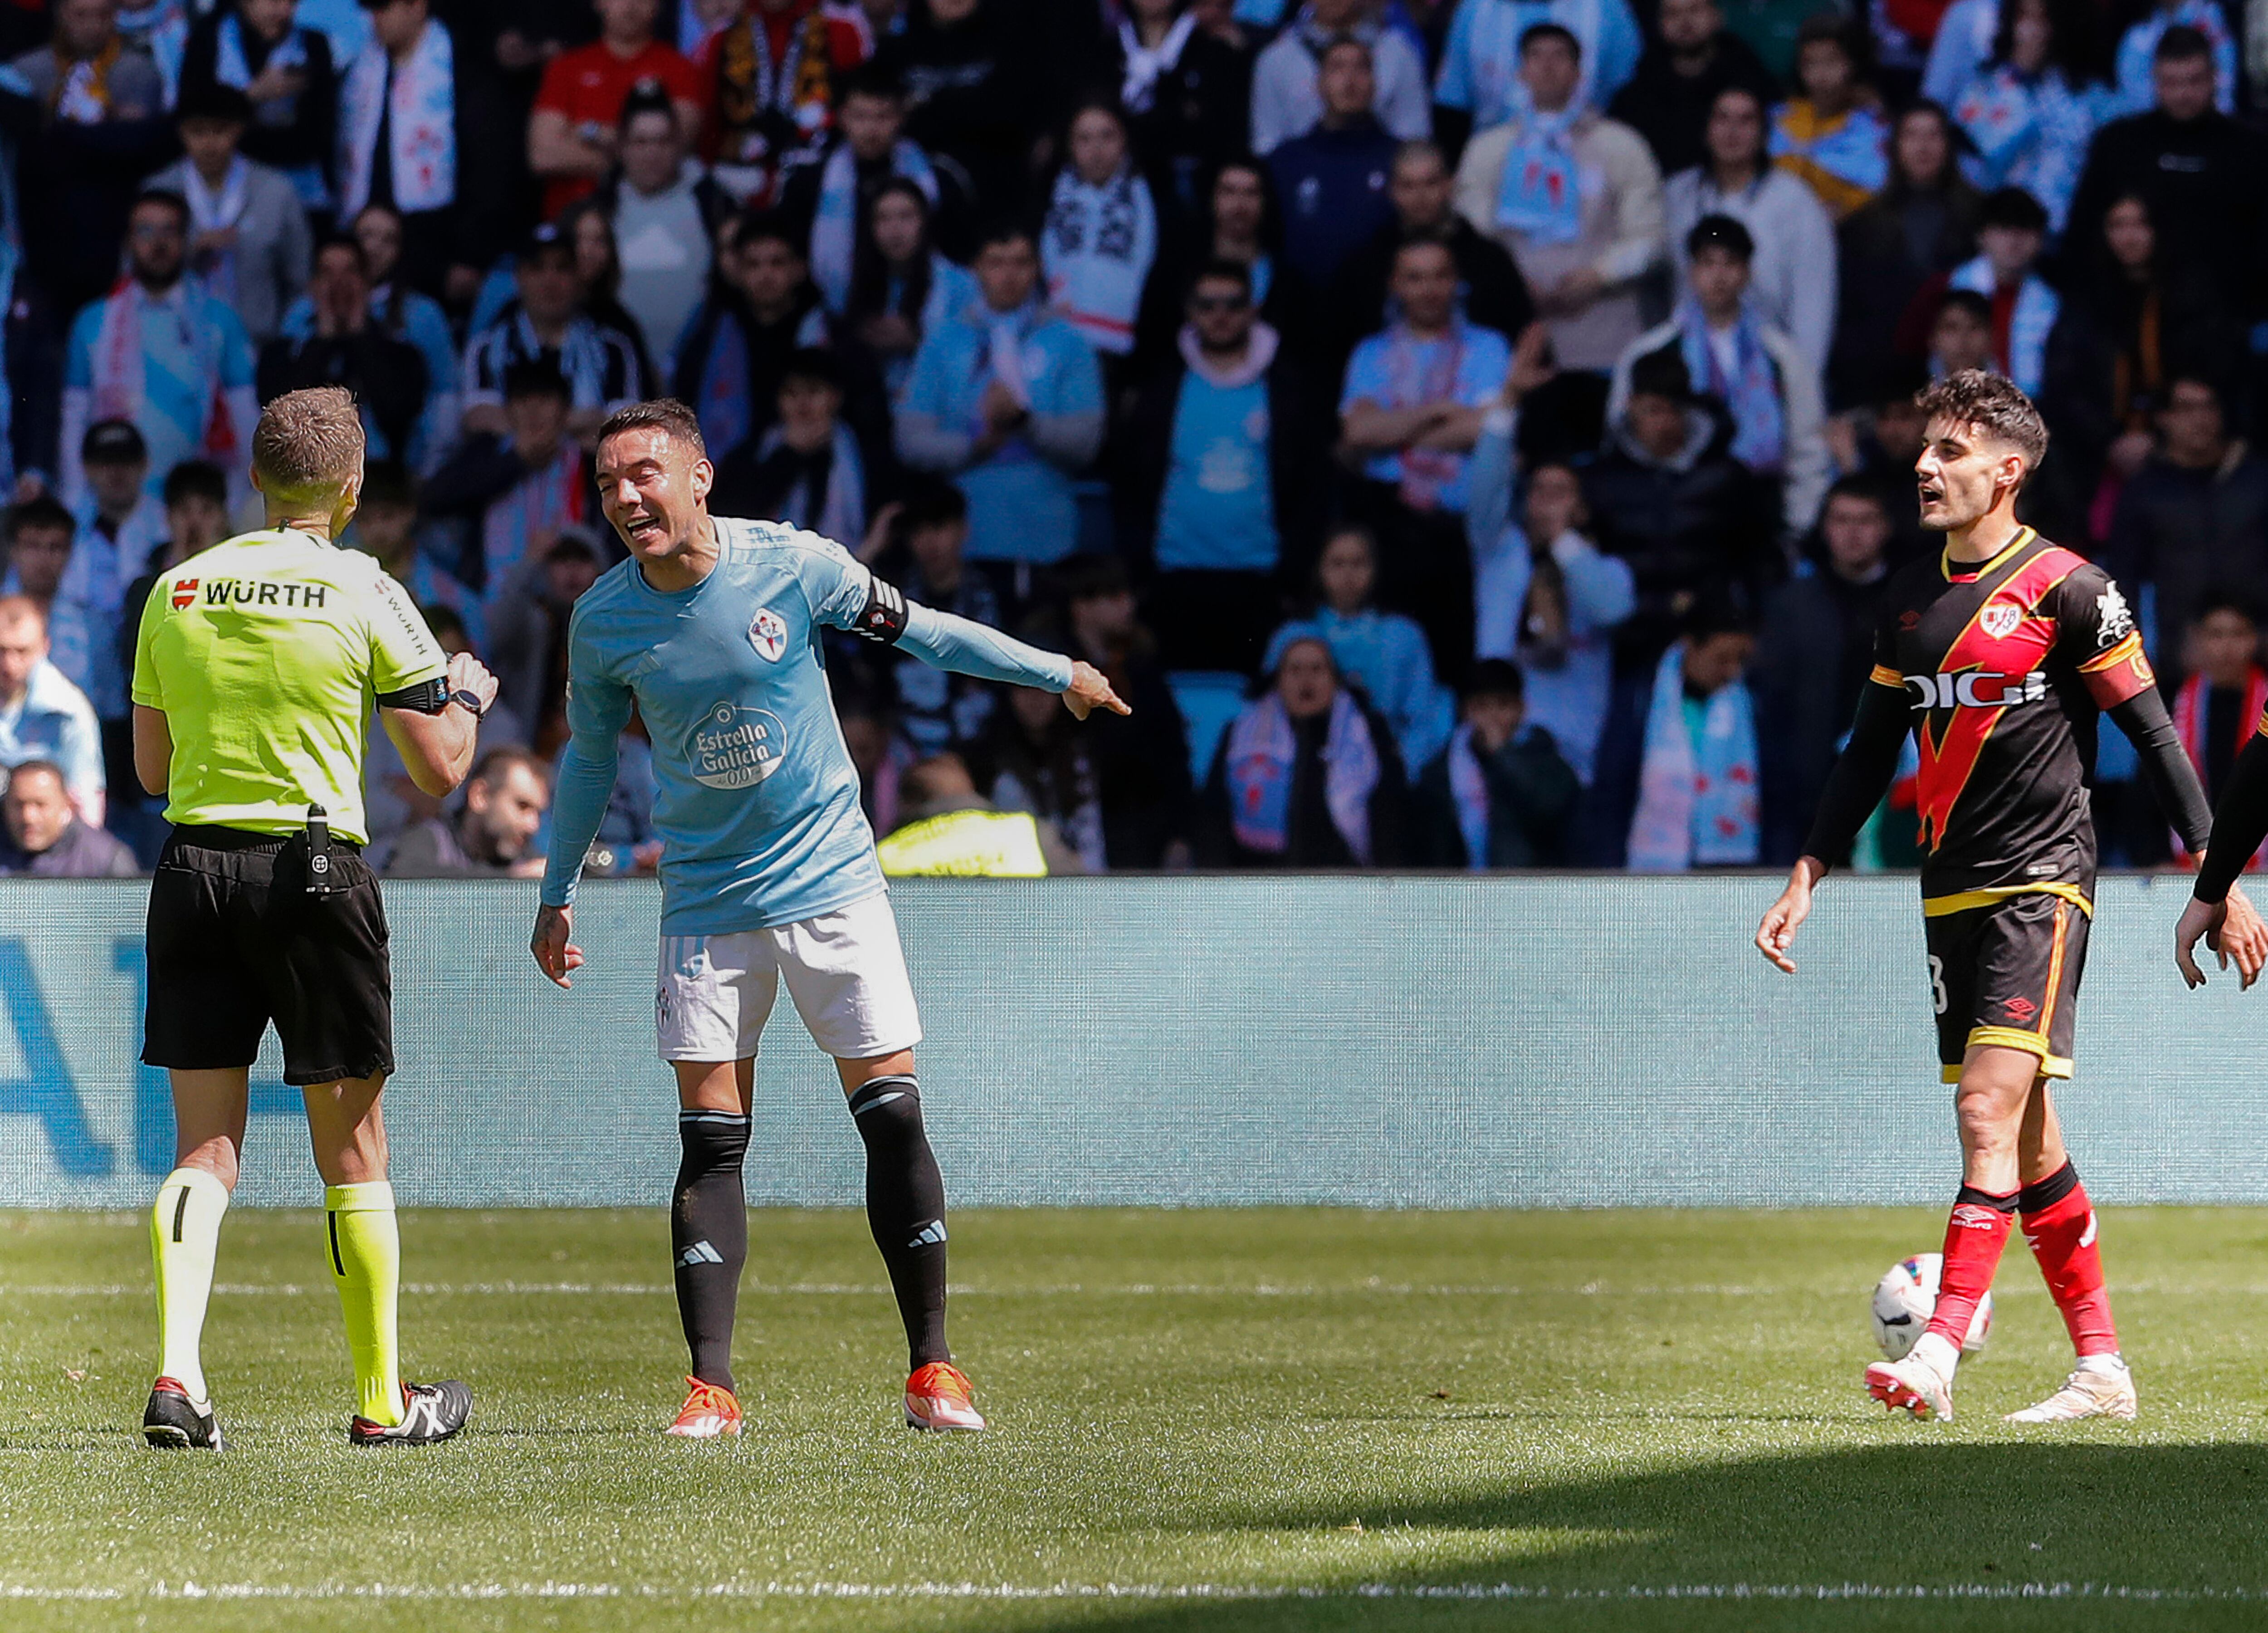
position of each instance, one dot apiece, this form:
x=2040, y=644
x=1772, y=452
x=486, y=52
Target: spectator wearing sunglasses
x=1212, y=484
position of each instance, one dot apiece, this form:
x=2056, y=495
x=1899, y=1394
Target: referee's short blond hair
x=308, y=447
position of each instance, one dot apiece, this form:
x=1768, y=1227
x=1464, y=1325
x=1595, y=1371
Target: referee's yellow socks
x=184, y=1239
x=366, y=1252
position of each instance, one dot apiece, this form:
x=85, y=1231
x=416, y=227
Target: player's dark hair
x=1721, y=233
x=2181, y=43
x=665, y=415
x=1493, y=677
x=1535, y=32
x=1990, y=404
x=46, y=513
x=195, y=478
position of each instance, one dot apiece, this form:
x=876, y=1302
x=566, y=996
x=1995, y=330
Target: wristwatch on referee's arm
x=469, y=701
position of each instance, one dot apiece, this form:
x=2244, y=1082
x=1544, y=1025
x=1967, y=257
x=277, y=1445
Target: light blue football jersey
x=758, y=807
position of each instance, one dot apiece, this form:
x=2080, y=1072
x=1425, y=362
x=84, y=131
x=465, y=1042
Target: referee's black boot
x=172, y=1420
x=431, y=1412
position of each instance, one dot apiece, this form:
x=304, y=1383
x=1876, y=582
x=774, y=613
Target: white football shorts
x=846, y=974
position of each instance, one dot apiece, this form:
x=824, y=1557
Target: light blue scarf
x=2035, y=315
x=1262, y=751
x=1752, y=392
x=423, y=128
x=1540, y=195
x=835, y=225
x=1697, y=805
x=1468, y=788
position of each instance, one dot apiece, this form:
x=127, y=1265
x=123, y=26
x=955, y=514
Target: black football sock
x=905, y=1206
x=709, y=1236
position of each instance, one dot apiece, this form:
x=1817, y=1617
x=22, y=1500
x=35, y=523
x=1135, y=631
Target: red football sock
x=1974, y=1237
x=2059, y=1224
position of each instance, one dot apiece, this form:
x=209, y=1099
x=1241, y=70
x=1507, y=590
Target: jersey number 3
x=1937, y=992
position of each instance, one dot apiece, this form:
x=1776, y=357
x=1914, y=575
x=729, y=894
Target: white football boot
x=1921, y=1385
x=2100, y=1387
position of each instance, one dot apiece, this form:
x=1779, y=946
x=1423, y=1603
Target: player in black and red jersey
x=1997, y=657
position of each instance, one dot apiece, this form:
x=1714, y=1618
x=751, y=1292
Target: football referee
x=255, y=670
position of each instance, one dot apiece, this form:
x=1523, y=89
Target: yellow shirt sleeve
x=402, y=651
x=149, y=690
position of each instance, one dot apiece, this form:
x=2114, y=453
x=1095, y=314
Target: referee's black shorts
x=235, y=941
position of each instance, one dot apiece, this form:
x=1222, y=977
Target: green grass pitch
x=1203, y=1422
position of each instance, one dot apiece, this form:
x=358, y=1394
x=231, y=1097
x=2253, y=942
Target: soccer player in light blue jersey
x=712, y=629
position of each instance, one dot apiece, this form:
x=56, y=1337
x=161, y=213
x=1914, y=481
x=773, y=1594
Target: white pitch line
x=1068, y=1290
x=1819, y=1591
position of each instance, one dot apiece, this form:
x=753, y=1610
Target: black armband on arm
x=1862, y=773
x=2165, y=767
x=2239, y=825
x=883, y=618
x=427, y=697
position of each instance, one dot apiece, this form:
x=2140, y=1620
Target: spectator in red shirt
x=775, y=74
x=574, y=133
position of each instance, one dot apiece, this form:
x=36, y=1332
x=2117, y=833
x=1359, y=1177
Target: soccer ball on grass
x=1906, y=1297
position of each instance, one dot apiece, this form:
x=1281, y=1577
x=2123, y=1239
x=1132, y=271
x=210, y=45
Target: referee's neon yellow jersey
x=266, y=653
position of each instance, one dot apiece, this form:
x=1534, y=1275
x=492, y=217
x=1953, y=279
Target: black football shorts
x=235, y=941
x=2005, y=973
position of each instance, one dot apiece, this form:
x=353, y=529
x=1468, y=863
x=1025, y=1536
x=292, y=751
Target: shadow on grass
x=1937, y=1531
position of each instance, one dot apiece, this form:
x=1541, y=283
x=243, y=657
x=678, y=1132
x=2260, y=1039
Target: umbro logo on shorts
x=700, y=1252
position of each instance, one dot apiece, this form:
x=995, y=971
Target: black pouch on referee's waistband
x=322, y=875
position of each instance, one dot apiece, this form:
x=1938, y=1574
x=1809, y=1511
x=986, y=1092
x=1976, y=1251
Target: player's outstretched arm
x=964, y=646
x=1861, y=776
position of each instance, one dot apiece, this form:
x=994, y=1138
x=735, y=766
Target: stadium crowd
x=1471, y=433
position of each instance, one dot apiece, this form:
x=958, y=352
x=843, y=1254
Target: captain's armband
x=427, y=697
x=883, y=618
